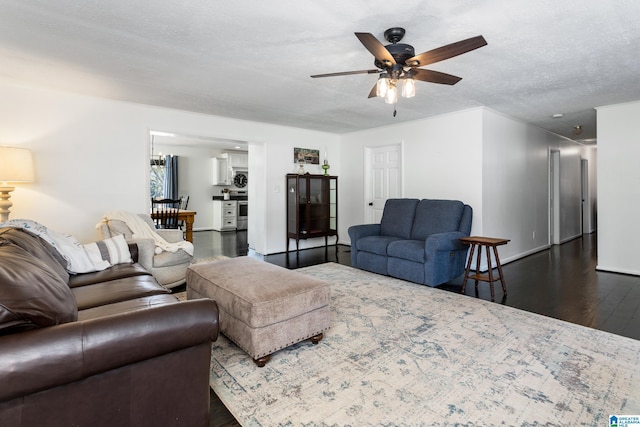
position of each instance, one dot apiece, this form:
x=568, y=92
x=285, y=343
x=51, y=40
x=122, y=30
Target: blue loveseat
x=416, y=240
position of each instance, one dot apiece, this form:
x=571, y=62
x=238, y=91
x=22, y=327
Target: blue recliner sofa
x=416, y=240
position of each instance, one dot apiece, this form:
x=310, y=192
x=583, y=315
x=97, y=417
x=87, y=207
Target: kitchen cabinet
x=225, y=215
x=312, y=207
x=221, y=171
x=238, y=160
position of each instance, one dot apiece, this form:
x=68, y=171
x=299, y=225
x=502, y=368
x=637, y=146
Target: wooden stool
x=487, y=242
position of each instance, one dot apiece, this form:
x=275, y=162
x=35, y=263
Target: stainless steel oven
x=243, y=211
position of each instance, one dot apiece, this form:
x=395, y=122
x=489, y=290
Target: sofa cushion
x=168, y=259
x=375, y=244
x=114, y=250
x=397, y=217
x=38, y=248
x=117, y=290
x=116, y=272
x=126, y=306
x=436, y=216
x=412, y=250
x=31, y=294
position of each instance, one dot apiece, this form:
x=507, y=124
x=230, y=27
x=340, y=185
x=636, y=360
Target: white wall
x=494, y=163
x=618, y=187
x=90, y=153
x=516, y=185
x=442, y=160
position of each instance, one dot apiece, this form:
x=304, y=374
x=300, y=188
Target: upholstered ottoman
x=263, y=307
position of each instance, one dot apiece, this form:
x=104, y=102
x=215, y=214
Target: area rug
x=401, y=354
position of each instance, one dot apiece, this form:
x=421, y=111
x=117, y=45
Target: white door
x=383, y=179
x=554, y=197
x=586, y=197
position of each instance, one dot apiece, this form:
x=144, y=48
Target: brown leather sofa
x=111, y=348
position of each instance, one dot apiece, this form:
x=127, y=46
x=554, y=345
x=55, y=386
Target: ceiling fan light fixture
x=409, y=87
x=382, y=86
x=392, y=95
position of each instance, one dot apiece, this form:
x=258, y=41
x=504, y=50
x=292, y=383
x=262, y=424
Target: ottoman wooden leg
x=261, y=361
x=316, y=338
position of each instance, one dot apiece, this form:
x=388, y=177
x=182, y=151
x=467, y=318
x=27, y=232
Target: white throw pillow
x=114, y=250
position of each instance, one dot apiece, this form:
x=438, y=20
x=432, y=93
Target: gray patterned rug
x=401, y=354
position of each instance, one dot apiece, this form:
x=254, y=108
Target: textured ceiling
x=252, y=60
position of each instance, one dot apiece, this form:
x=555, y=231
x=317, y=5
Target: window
x=157, y=177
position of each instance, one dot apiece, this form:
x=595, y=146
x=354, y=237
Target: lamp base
x=5, y=204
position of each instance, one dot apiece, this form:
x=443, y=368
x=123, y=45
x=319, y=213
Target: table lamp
x=16, y=165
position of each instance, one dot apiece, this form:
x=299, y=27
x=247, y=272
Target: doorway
x=383, y=179
x=554, y=197
x=586, y=197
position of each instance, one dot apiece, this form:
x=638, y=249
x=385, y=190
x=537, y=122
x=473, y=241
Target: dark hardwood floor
x=560, y=282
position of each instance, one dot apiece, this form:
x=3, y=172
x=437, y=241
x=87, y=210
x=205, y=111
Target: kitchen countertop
x=232, y=197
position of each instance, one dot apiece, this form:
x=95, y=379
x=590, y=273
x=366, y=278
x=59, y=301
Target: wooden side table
x=487, y=242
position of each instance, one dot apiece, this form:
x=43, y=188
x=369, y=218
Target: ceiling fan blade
x=376, y=48
x=446, y=52
x=434, y=76
x=374, y=91
x=346, y=73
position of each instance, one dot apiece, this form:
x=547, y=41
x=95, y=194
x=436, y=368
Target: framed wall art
x=306, y=156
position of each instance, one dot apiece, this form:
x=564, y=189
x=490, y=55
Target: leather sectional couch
x=110, y=348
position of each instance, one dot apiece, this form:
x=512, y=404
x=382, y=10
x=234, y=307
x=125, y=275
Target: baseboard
x=617, y=270
x=524, y=254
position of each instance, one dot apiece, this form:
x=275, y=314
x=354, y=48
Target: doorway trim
x=554, y=196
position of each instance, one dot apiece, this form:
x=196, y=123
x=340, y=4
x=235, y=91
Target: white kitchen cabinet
x=238, y=160
x=225, y=215
x=221, y=171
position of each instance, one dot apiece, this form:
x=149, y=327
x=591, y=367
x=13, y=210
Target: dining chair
x=184, y=203
x=165, y=212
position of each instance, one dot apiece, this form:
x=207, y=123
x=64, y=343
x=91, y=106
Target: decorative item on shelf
x=225, y=194
x=16, y=165
x=301, y=167
x=325, y=167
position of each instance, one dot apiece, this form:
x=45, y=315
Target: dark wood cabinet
x=312, y=207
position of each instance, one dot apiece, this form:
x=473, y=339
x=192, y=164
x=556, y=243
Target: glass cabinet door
x=333, y=204
x=317, y=206
x=292, y=205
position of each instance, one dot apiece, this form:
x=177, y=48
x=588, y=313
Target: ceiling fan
x=397, y=63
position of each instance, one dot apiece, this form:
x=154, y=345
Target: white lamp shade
x=16, y=165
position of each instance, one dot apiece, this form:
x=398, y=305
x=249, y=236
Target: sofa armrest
x=359, y=231
x=171, y=235
x=449, y=241
x=49, y=357
x=146, y=251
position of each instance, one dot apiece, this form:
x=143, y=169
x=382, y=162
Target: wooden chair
x=165, y=212
x=184, y=202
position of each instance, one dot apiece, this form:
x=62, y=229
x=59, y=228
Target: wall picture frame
x=306, y=155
